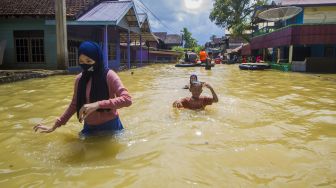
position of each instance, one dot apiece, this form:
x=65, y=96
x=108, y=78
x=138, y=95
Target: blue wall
x=298, y=19
x=7, y=26
x=317, y=50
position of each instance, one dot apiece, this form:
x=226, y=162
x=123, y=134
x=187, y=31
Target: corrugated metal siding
x=297, y=35
x=316, y=34
x=106, y=11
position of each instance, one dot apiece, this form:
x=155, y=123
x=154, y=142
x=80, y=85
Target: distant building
x=168, y=41
x=217, y=45
x=307, y=41
x=235, y=42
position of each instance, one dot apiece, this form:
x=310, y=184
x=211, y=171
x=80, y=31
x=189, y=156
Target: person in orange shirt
x=203, y=56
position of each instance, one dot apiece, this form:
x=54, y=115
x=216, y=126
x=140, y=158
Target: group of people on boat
x=252, y=59
x=191, y=56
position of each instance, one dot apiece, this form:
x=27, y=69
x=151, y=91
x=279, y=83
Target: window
x=73, y=56
x=73, y=52
x=29, y=46
x=111, y=51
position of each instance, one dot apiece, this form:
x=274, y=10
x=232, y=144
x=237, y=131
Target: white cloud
x=175, y=16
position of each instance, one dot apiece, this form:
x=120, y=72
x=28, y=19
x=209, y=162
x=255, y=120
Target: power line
x=156, y=17
x=146, y=9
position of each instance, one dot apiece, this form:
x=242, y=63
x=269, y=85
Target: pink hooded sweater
x=119, y=98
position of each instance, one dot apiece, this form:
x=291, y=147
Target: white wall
x=325, y=14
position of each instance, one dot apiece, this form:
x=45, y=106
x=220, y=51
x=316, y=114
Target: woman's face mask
x=86, y=67
x=86, y=63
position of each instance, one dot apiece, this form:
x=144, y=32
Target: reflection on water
x=269, y=128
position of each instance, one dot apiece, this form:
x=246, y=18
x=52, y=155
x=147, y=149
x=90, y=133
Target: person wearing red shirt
x=196, y=101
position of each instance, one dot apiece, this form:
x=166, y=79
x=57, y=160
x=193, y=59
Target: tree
x=234, y=15
x=190, y=42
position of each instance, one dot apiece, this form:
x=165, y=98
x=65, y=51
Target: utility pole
x=61, y=35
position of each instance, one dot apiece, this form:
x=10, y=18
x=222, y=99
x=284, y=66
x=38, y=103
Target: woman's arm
x=71, y=110
x=118, y=91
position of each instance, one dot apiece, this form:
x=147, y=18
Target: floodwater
x=269, y=129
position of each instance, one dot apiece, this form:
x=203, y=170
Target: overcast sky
x=176, y=14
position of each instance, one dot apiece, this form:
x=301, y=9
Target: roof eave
x=130, y=6
x=110, y=23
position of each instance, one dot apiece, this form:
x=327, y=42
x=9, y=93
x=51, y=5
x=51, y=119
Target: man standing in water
x=203, y=56
x=208, y=61
x=196, y=101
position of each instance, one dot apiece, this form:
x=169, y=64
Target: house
x=235, y=47
x=28, y=28
x=217, y=45
x=235, y=41
x=306, y=41
x=168, y=41
x=228, y=46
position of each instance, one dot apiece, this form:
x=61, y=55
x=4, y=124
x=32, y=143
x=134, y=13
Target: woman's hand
x=45, y=129
x=86, y=110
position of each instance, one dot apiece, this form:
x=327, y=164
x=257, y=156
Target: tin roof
x=144, y=22
x=142, y=17
x=173, y=39
x=107, y=11
x=44, y=8
x=161, y=35
x=169, y=38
